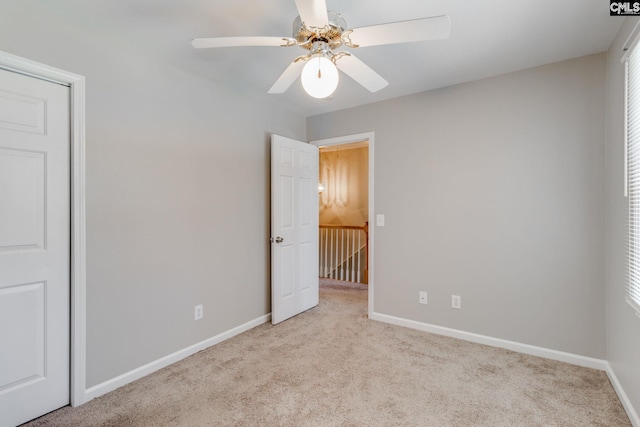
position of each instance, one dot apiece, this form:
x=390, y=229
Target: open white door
x=294, y=227
x=34, y=247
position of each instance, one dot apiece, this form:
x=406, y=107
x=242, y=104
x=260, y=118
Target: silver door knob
x=277, y=239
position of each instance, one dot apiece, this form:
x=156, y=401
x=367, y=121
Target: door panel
x=22, y=186
x=286, y=203
x=34, y=247
x=25, y=353
x=294, y=220
x=22, y=113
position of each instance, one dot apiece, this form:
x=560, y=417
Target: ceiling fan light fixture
x=319, y=77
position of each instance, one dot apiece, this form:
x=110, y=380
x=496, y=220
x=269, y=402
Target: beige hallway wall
x=344, y=172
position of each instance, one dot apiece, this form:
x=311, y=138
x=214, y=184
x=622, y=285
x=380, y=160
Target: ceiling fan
x=321, y=32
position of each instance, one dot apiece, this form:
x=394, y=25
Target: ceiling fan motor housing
x=331, y=34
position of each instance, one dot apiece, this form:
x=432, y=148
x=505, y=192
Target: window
x=632, y=164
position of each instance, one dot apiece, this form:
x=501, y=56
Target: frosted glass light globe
x=319, y=77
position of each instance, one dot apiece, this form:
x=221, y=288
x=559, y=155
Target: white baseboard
x=626, y=402
x=561, y=356
x=126, y=378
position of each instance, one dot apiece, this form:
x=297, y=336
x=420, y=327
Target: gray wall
x=623, y=327
x=345, y=171
x=494, y=191
x=177, y=193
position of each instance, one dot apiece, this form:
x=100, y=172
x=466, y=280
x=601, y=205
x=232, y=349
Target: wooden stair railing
x=344, y=252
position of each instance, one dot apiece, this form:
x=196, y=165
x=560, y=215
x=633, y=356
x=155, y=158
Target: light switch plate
x=380, y=220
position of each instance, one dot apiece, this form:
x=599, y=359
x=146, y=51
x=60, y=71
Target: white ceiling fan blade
x=313, y=12
x=361, y=72
x=433, y=28
x=287, y=78
x=239, y=41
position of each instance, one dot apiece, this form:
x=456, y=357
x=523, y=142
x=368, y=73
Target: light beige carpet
x=332, y=366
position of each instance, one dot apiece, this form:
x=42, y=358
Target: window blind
x=632, y=65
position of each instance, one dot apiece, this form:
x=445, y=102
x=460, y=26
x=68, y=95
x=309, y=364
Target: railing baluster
x=326, y=234
x=336, y=267
x=350, y=255
x=348, y=260
x=345, y=250
x=331, y=257
x=324, y=253
x=346, y=256
x=322, y=245
x=359, y=257
x=323, y=266
x=354, y=267
x=353, y=254
x=322, y=250
x=342, y=254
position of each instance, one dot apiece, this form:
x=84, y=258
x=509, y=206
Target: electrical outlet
x=422, y=299
x=456, y=301
x=199, y=312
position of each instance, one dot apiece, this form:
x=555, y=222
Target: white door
x=294, y=227
x=34, y=247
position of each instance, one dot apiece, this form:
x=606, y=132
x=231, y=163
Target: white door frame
x=366, y=136
x=76, y=83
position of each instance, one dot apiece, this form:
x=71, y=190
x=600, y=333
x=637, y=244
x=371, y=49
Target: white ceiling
x=488, y=38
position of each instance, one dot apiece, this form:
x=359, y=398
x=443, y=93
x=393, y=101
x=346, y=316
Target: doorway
x=348, y=210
